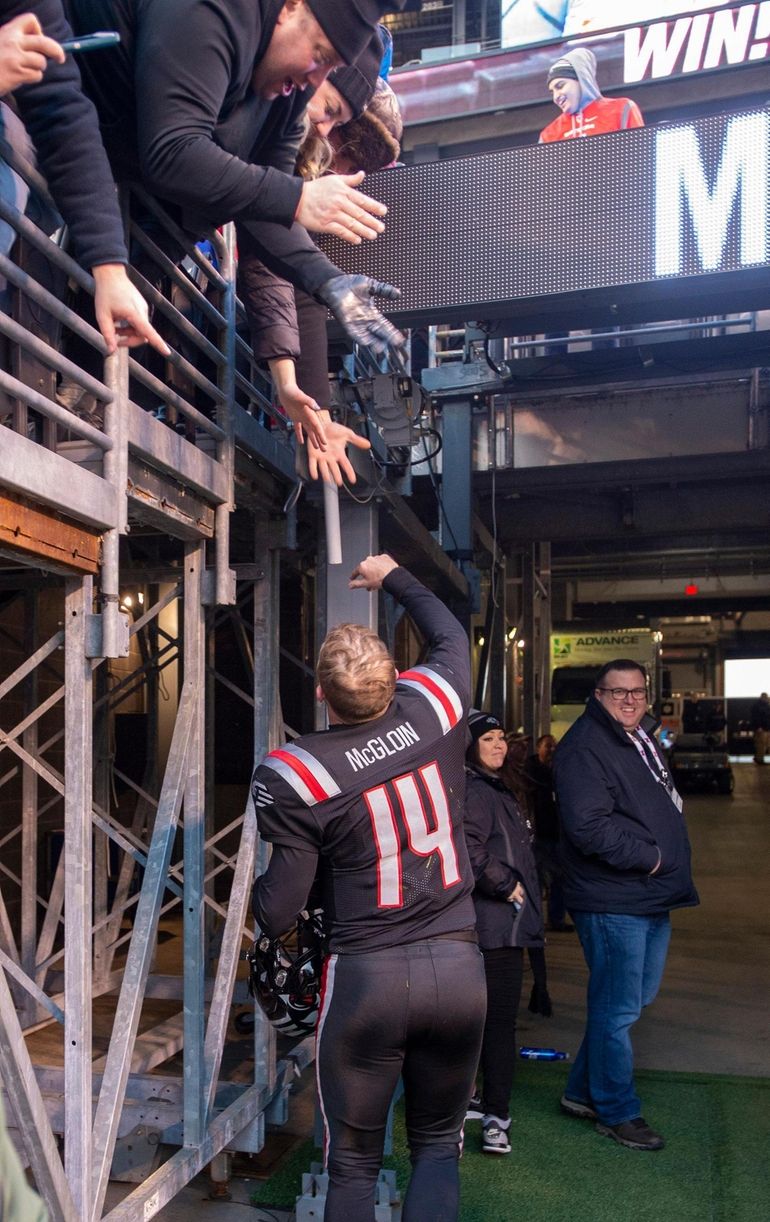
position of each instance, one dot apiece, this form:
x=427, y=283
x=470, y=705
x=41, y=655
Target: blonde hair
x=356, y=673
x=315, y=153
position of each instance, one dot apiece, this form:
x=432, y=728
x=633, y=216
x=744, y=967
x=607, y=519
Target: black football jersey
x=381, y=803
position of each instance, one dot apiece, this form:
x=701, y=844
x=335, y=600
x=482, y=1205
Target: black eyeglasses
x=621, y=693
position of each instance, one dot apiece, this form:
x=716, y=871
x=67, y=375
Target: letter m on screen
x=741, y=182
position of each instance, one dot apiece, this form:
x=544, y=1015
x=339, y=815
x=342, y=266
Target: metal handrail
x=53, y=411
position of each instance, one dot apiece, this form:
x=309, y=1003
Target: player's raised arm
x=446, y=637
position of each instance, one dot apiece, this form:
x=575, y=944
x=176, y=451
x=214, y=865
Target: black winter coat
x=64, y=129
x=615, y=818
x=499, y=844
x=177, y=111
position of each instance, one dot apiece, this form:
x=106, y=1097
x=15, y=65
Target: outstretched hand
x=121, y=310
x=307, y=417
x=370, y=573
x=332, y=463
x=350, y=300
x=332, y=205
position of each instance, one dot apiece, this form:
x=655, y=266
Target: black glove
x=349, y=299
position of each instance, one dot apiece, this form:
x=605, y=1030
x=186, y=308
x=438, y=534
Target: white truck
x=578, y=653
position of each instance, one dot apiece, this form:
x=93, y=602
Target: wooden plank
x=42, y=534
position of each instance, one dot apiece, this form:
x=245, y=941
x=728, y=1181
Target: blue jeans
x=625, y=956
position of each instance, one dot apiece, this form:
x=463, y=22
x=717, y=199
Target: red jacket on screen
x=603, y=115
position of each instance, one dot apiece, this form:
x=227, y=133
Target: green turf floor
x=715, y=1167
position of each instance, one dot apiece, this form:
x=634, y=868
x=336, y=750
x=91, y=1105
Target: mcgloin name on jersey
x=383, y=745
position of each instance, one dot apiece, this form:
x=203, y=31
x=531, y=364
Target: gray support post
x=20, y=1082
x=456, y=526
x=497, y=690
x=194, y=849
x=546, y=621
x=267, y=732
x=238, y=908
x=536, y=633
x=116, y=474
x=137, y=969
x=360, y=538
x=224, y=580
x=101, y=794
x=78, y=849
x=528, y=661
x=29, y=814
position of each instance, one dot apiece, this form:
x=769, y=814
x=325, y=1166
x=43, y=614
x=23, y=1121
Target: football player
x=377, y=799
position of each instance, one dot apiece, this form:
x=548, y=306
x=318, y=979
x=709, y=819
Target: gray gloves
x=350, y=300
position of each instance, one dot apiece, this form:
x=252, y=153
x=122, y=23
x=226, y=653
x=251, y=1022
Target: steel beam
x=39, y=1142
x=360, y=537
x=194, y=855
x=536, y=634
x=268, y=732
x=456, y=495
x=29, y=821
x=29, y=470
x=141, y=949
x=78, y=882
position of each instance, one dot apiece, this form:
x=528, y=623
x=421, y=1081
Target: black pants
x=503, y=967
x=415, y=1011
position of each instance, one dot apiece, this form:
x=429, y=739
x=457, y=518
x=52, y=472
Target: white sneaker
x=495, y=1136
x=475, y=1110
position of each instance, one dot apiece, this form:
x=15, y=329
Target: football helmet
x=286, y=981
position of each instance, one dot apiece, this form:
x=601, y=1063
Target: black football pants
x=415, y=1010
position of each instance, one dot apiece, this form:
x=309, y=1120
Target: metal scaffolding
x=119, y=581
x=119, y=474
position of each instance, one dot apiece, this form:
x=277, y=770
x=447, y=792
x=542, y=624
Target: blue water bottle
x=543, y=1054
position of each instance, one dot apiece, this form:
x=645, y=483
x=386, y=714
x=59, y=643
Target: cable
x=495, y=368
x=416, y=462
x=432, y=473
x=493, y=580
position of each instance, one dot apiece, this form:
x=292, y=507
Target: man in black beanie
x=202, y=102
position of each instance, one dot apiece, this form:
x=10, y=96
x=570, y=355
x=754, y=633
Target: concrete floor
x=712, y=1012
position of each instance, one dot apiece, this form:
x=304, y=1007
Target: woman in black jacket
x=508, y=914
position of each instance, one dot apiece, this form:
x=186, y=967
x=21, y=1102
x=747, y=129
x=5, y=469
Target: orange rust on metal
x=35, y=531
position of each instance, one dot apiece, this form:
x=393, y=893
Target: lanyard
x=646, y=749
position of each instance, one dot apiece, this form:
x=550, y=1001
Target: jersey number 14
x=426, y=832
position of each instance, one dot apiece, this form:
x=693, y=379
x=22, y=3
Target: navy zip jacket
x=615, y=819
x=500, y=848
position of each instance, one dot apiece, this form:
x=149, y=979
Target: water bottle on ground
x=543, y=1054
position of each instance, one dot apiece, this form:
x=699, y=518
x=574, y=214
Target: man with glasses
x=626, y=859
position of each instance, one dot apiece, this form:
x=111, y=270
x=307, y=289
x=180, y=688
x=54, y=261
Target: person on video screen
x=584, y=110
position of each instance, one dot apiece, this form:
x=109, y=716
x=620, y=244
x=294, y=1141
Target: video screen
x=528, y=21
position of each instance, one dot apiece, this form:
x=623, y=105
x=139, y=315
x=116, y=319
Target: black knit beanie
x=356, y=82
x=349, y=24
x=481, y=723
x=562, y=69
